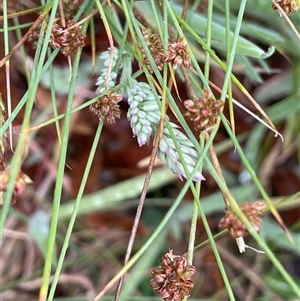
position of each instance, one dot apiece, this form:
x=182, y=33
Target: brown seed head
x=178, y=54
x=235, y=226
x=107, y=108
x=288, y=6
x=203, y=111
x=172, y=280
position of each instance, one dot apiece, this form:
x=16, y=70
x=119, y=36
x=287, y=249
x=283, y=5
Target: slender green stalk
x=233, y=49
x=74, y=213
x=216, y=252
x=194, y=217
x=7, y=69
x=228, y=48
x=60, y=176
x=162, y=32
x=208, y=38
x=54, y=101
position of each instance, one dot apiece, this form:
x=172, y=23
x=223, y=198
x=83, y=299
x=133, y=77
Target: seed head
x=167, y=153
x=172, y=279
x=143, y=113
x=178, y=54
x=156, y=48
x=69, y=39
x=203, y=111
x=288, y=6
x=107, y=108
x=235, y=226
x=19, y=186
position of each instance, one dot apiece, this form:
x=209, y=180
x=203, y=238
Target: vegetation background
x=64, y=233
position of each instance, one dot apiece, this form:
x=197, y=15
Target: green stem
x=208, y=39
x=60, y=176
x=194, y=218
x=233, y=49
x=75, y=212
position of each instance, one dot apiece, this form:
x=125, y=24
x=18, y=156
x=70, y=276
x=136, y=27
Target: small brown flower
x=19, y=186
x=178, y=54
x=156, y=48
x=203, y=111
x=235, y=226
x=70, y=39
x=288, y=6
x=172, y=280
x=107, y=108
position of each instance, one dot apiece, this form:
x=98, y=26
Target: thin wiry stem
x=216, y=164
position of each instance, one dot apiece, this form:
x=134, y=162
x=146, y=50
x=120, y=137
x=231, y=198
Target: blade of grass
x=60, y=174
x=74, y=213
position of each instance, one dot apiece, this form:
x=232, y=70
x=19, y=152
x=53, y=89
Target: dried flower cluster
x=176, y=52
x=178, y=55
x=20, y=182
x=172, y=280
x=69, y=39
x=156, y=48
x=144, y=116
x=288, y=6
x=19, y=186
x=203, y=111
x=107, y=108
x=235, y=226
x=21, y=179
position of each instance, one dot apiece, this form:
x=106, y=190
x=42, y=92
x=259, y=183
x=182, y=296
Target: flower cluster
x=168, y=154
x=103, y=82
x=235, y=226
x=144, y=116
x=5, y=172
x=107, y=108
x=172, y=280
x=288, y=6
x=176, y=52
x=19, y=186
x=143, y=113
x=69, y=39
x=178, y=55
x=203, y=111
x=156, y=48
